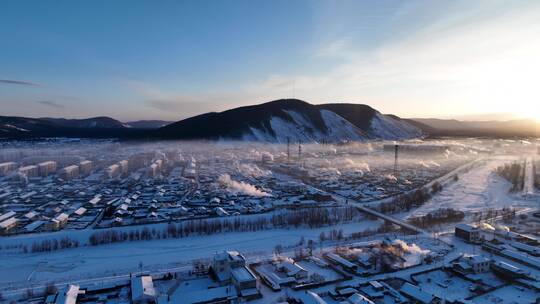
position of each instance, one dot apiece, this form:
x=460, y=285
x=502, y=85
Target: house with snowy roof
x=417, y=295
x=142, y=290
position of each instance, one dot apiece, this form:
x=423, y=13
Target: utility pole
x=299, y=152
x=396, y=153
x=288, y=150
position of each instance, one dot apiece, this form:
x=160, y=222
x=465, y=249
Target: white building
x=29, y=171
x=224, y=261
x=124, y=166
x=357, y=298
x=113, y=171
x=153, y=171
x=46, y=168
x=8, y=224
x=5, y=168
x=68, y=295
x=7, y=215
x=85, y=167
x=245, y=282
x=59, y=221
x=142, y=290
x=292, y=269
x=478, y=263
x=190, y=171
x=69, y=172
x=417, y=295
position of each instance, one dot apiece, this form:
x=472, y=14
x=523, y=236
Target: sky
x=170, y=60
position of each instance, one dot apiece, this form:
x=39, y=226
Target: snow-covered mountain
x=294, y=120
x=276, y=121
x=101, y=122
x=96, y=127
x=148, y=124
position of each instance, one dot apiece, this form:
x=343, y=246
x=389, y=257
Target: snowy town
x=435, y=221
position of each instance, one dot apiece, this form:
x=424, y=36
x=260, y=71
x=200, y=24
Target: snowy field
x=122, y=258
x=476, y=190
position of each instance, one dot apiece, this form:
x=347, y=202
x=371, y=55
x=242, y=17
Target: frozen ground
x=122, y=258
x=508, y=295
x=441, y=284
x=477, y=190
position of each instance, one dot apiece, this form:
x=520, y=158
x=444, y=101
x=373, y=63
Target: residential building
x=7, y=167
x=468, y=233
x=29, y=171
x=85, y=167
x=142, y=290
x=47, y=168
x=69, y=172
x=417, y=295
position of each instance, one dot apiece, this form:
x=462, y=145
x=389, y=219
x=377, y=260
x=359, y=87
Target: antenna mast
x=396, y=151
x=288, y=150
x=299, y=151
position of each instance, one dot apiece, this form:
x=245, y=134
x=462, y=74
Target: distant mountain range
x=148, y=124
x=275, y=121
x=452, y=127
x=102, y=122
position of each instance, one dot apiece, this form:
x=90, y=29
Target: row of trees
x=443, y=215
x=52, y=245
x=312, y=218
x=407, y=201
x=514, y=173
x=507, y=213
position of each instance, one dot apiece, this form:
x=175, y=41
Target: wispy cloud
x=177, y=105
x=20, y=82
x=336, y=48
x=455, y=64
x=186, y=106
x=50, y=103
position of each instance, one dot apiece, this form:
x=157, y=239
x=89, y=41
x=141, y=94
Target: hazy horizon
x=479, y=117
x=172, y=60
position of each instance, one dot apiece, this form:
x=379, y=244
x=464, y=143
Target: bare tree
x=278, y=249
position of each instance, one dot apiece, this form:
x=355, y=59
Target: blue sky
x=173, y=59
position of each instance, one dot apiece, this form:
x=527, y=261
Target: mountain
x=275, y=121
x=453, y=127
x=101, y=122
x=98, y=127
x=12, y=124
x=148, y=124
x=293, y=119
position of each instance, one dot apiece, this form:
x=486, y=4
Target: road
x=363, y=208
